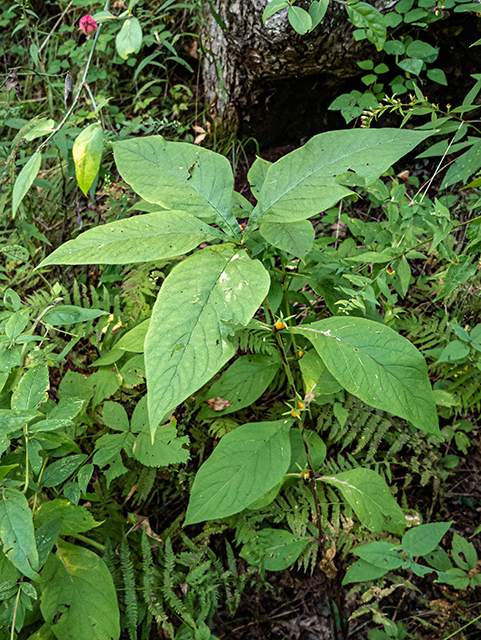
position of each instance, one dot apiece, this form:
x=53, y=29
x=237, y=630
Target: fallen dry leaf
x=218, y=404
x=192, y=48
x=11, y=82
x=142, y=522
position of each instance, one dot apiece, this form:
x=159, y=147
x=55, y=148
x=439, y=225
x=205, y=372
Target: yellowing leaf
x=87, y=154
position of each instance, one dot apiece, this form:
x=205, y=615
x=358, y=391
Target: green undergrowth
x=196, y=390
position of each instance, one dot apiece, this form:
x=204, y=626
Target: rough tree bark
x=269, y=82
x=257, y=74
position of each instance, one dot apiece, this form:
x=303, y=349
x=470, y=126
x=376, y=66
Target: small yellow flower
x=305, y=474
x=280, y=325
x=295, y=413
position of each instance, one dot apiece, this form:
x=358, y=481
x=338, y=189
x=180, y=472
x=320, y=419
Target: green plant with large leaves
x=214, y=290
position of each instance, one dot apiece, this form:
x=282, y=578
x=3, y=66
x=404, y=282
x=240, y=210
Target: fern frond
x=256, y=339
x=108, y=557
x=170, y=598
x=130, y=596
x=151, y=589
x=144, y=484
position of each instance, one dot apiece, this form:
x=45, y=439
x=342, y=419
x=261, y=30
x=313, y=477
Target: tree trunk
x=269, y=82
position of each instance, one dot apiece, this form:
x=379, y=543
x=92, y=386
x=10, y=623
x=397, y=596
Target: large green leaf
x=300, y=20
x=274, y=549
x=365, y=16
x=32, y=388
x=78, y=585
x=362, y=571
x=370, y=498
x=302, y=183
x=24, y=180
x=153, y=236
x=380, y=554
x=420, y=541
x=16, y=531
x=246, y=463
x=296, y=238
x=72, y=518
x=11, y=421
x=61, y=469
x=134, y=339
x=317, y=11
x=129, y=38
x=242, y=384
x=187, y=341
x=273, y=7
x=68, y=314
x=377, y=365
x=179, y=176
x=87, y=154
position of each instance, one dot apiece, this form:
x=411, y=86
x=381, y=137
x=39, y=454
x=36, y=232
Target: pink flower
x=87, y=25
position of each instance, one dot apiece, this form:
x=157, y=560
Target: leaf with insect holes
x=78, y=595
x=152, y=236
x=188, y=338
x=377, y=365
x=303, y=183
x=180, y=176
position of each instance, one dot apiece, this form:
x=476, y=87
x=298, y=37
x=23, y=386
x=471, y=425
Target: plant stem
x=282, y=350
x=12, y=633
x=92, y=543
x=83, y=84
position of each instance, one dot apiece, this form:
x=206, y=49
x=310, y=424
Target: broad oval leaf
x=78, y=584
x=32, y=388
x=87, y=154
x=361, y=571
x=274, y=549
x=11, y=420
x=420, y=541
x=68, y=314
x=242, y=384
x=16, y=531
x=273, y=7
x=152, y=236
x=24, y=180
x=246, y=463
x=302, y=183
x=296, y=238
x=317, y=11
x=187, y=341
x=72, y=518
x=365, y=16
x=61, y=469
x=300, y=19
x=381, y=554
x=377, y=365
x=370, y=499
x=178, y=175
x=129, y=38
x=43, y=128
